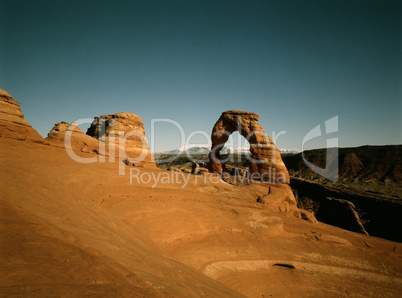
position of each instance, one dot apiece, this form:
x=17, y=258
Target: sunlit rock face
x=12, y=122
x=126, y=132
x=68, y=136
x=266, y=162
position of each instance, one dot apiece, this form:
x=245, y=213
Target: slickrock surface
x=73, y=229
x=71, y=136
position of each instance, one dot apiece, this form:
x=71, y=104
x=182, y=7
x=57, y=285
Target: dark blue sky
x=295, y=63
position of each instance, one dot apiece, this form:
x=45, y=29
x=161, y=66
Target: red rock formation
x=266, y=162
x=12, y=122
x=126, y=132
x=79, y=142
x=280, y=198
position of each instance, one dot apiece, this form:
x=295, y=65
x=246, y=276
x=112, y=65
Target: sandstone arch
x=266, y=162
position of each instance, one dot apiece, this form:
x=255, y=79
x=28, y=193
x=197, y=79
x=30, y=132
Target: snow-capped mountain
x=288, y=151
x=205, y=149
x=189, y=149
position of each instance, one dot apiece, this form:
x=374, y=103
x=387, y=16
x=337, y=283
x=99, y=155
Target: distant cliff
x=369, y=178
x=380, y=163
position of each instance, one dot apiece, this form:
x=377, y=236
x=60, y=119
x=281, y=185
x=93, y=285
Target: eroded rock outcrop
x=124, y=136
x=280, y=197
x=12, y=122
x=266, y=162
x=71, y=136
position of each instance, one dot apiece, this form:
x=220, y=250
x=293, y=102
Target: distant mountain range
x=203, y=149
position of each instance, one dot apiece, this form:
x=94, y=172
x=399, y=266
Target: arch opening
x=235, y=157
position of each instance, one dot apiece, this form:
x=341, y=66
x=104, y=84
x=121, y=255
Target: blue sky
x=295, y=63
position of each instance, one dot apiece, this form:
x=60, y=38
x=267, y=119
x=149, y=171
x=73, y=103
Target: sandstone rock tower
x=126, y=132
x=266, y=162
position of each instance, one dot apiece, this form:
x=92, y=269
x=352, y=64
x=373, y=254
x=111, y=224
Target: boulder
x=266, y=163
x=12, y=122
x=124, y=136
x=202, y=171
x=134, y=164
x=194, y=167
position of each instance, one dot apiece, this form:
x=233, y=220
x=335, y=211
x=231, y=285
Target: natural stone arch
x=266, y=162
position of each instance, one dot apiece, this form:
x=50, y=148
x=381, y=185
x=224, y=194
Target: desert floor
x=75, y=229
